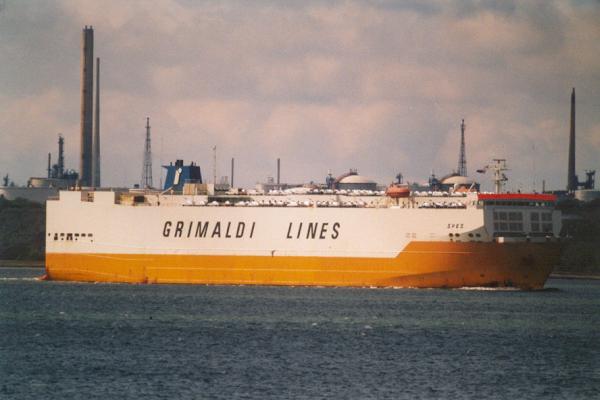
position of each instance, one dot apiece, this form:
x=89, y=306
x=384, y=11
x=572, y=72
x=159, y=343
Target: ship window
x=90, y=235
x=503, y=226
x=450, y=234
x=515, y=216
x=470, y=235
x=546, y=217
x=69, y=236
x=77, y=235
x=56, y=236
x=502, y=215
x=546, y=227
x=62, y=234
x=83, y=235
x=515, y=227
x=477, y=235
x=535, y=227
x=535, y=216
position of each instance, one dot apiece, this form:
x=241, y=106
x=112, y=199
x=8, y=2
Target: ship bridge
x=516, y=215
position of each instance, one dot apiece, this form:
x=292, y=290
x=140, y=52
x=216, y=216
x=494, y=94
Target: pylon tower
x=147, y=170
x=462, y=158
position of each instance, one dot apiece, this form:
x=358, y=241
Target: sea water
x=61, y=340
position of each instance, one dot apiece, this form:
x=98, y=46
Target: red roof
x=517, y=196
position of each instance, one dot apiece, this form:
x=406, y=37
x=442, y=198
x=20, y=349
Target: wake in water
x=19, y=279
x=506, y=289
x=493, y=289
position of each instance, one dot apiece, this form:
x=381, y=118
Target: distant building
x=39, y=189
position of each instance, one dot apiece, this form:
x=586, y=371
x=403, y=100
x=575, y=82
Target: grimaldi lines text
x=294, y=239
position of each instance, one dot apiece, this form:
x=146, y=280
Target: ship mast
x=498, y=167
x=214, y=165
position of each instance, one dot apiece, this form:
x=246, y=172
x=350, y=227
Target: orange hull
x=420, y=264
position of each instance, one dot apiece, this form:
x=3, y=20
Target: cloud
x=379, y=86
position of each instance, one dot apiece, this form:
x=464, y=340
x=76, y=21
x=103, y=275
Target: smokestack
x=61, y=157
x=96, y=158
x=87, y=99
x=572, y=178
x=232, y=161
x=278, y=171
x=543, y=186
x=49, y=165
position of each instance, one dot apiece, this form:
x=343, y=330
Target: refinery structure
x=89, y=174
x=39, y=189
x=584, y=191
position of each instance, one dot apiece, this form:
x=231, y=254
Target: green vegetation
x=22, y=230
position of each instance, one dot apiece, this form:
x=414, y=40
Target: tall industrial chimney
x=87, y=98
x=278, y=171
x=49, y=165
x=572, y=177
x=61, y=156
x=96, y=158
x=232, y=161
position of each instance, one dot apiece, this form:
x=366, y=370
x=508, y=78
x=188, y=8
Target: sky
x=378, y=86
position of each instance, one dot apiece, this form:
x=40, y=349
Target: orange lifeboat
x=397, y=191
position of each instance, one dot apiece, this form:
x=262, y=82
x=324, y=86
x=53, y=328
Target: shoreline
x=560, y=275
x=22, y=264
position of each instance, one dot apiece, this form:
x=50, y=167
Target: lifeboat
x=397, y=191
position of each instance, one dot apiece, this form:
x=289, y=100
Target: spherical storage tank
x=457, y=182
x=356, y=182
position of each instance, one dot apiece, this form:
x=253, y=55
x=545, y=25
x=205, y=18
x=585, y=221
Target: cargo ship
x=396, y=238
x=190, y=233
